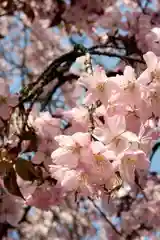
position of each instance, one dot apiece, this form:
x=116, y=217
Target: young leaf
x=26, y=170
x=10, y=182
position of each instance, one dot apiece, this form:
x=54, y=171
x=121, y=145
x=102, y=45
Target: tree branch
x=124, y=58
x=105, y=217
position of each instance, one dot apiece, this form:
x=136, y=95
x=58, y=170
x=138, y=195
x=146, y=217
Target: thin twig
x=124, y=58
x=142, y=191
x=105, y=217
x=143, y=8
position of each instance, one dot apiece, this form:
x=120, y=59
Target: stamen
x=156, y=75
x=83, y=178
x=131, y=160
x=100, y=87
x=3, y=100
x=100, y=160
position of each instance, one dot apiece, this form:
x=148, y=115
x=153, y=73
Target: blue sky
x=155, y=164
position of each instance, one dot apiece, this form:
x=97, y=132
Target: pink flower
x=46, y=126
x=100, y=87
x=44, y=197
x=79, y=115
x=113, y=127
x=102, y=168
x=132, y=90
x=68, y=179
x=115, y=135
x=72, y=180
x=133, y=121
x=154, y=98
x=71, y=149
x=152, y=73
x=95, y=168
x=153, y=40
x=130, y=161
x=117, y=109
x=148, y=134
x=11, y=210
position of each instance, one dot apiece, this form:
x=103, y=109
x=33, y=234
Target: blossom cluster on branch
x=90, y=150
x=79, y=131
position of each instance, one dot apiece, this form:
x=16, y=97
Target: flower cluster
x=145, y=29
x=121, y=132
x=104, y=143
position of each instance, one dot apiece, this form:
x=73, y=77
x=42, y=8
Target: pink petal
x=127, y=171
x=129, y=73
x=151, y=60
x=64, y=140
x=83, y=139
x=100, y=134
x=117, y=124
x=65, y=158
x=70, y=181
x=97, y=147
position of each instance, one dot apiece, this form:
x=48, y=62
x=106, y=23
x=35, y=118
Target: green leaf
x=10, y=182
x=26, y=170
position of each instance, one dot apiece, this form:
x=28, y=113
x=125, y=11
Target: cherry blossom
x=80, y=131
x=71, y=149
x=100, y=87
x=130, y=161
x=11, y=209
x=44, y=196
x=45, y=125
